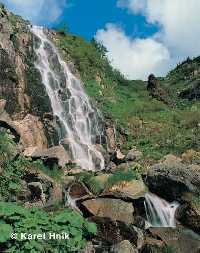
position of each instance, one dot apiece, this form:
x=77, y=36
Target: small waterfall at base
x=78, y=120
x=159, y=212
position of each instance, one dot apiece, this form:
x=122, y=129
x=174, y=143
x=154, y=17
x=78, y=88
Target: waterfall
x=78, y=120
x=159, y=212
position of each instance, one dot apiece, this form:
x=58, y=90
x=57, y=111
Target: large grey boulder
x=172, y=178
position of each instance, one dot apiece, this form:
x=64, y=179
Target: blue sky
x=141, y=36
x=85, y=17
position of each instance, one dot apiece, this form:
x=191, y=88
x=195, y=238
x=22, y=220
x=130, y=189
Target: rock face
x=112, y=208
x=20, y=82
x=32, y=132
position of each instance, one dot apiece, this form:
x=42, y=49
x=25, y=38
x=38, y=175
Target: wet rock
x=138, y=237
x=117, y=156
x=37, y=192
x=50, y=156
x=124, y=247
x=112, y=208
x=183, y=180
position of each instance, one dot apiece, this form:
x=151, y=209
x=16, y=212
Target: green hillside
x=154, y=127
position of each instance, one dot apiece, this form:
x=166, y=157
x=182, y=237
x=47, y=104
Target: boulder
x=52, y=155
x=189, y=213
x=173, y=175
x=111, y=167
x=124, y=247
x=112, y=232
x=177, y=181
x=180, y=240
x=114, y=209
x=89, y=248
x=132, y=190
x=133, y=155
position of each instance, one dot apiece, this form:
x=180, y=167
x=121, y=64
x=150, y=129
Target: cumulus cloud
x=135, y=58
x=179, y=35
x=37, y=11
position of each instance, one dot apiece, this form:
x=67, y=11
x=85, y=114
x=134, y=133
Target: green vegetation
x=123, y=176
x=16, y=219
x=7, y=147
x=97, y=186
x=94, y=185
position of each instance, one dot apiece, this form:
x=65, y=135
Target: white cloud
x=37, y=11
x=179, y=35
x=135, y=58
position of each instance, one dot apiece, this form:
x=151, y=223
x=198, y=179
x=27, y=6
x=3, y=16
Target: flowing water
x=78, y=120
x=159, y=212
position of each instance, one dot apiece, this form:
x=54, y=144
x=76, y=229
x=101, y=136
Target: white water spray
x=78, y=119
x=159, y=212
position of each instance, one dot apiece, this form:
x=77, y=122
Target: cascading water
x=159, y=212
x=77, y=118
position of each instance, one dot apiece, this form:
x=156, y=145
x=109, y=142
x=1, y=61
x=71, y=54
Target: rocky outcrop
x=192, y=92
x=156, y=91
x=31, y=131
x=55, y=155
x=134, y=155
x=173, y=175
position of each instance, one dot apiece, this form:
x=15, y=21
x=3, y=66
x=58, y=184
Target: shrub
x=16, y=219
